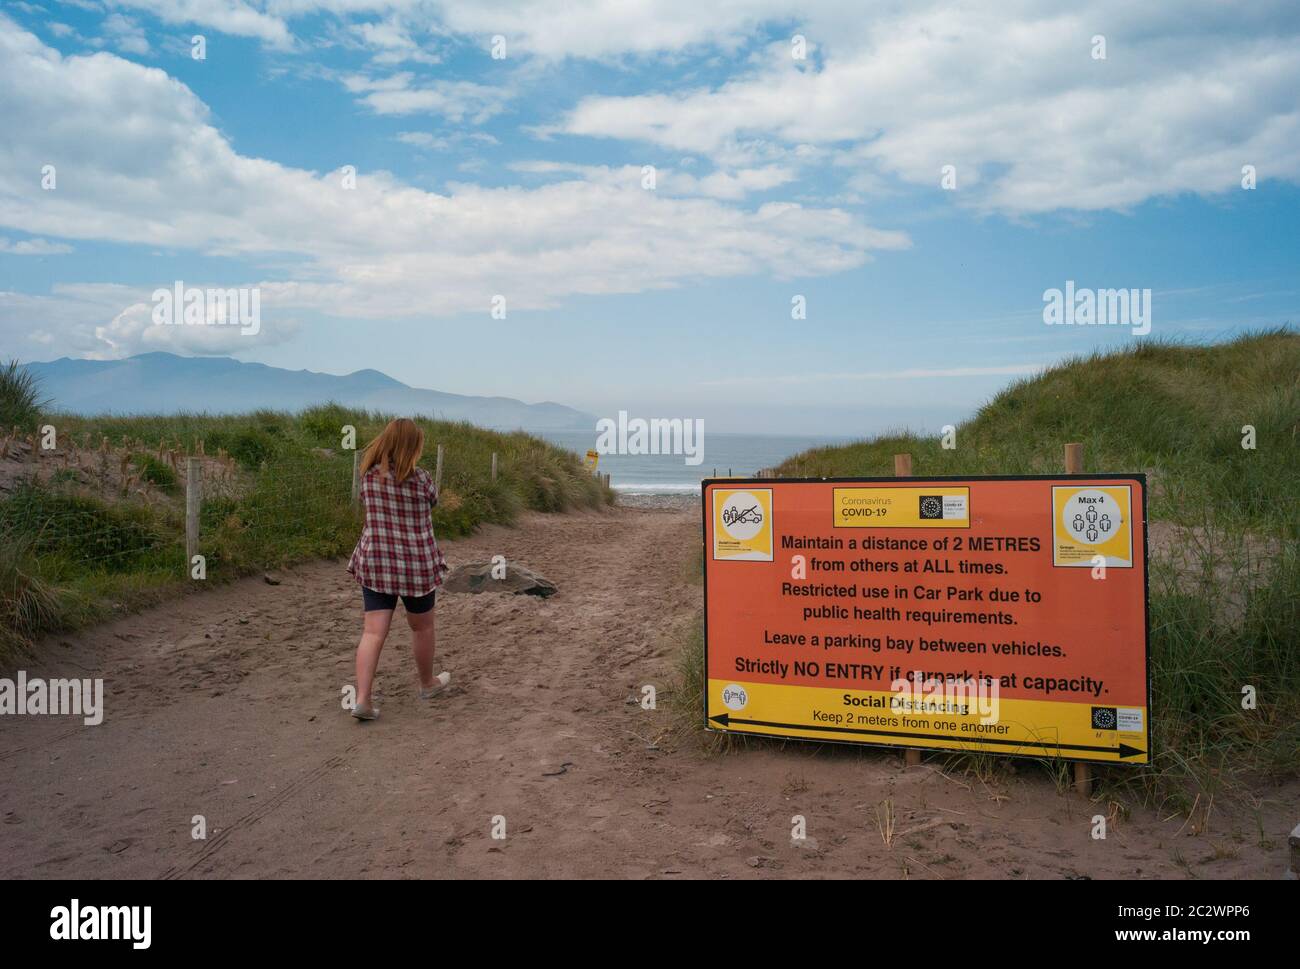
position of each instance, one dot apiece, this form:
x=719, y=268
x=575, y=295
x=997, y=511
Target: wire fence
x=83, y=508
x=86, y=507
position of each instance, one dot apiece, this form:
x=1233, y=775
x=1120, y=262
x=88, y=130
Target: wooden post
x=437, y=473
x=1082, y=771
x=193, y=499
x=356, y=475
x=103, y=461
x=494, y=465
x=903, y=469
x=1074, y=459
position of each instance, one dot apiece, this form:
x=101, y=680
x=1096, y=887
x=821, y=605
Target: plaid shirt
x=397, y=553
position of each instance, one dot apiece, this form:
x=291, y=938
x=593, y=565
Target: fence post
x=494, y=465
x=356, y=475
x=903, y=469
x=437, y=473
x=1082, y=770
x=193, y=475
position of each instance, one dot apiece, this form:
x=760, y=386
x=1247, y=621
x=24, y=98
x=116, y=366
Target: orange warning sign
x=1000, y=614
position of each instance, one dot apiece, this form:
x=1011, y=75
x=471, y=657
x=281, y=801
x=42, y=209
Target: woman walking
x=397, y=556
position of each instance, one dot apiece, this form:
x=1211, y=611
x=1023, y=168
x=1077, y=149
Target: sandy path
x=226, y=704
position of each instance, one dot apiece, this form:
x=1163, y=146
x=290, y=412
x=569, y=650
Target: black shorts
x=382, y=600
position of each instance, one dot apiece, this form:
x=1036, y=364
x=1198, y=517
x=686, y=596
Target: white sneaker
x=439, y=684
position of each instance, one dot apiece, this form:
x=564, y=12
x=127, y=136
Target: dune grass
x=1225, y=614
x=1176, y=412
x=21, y=402
x=77, y=557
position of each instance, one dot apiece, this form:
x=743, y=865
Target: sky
x=651, y=190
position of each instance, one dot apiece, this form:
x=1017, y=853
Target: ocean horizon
x=735, y=454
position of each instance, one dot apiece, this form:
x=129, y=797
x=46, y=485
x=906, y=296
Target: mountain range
x=164, y=383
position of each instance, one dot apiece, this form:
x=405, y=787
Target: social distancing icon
x=1092, y=521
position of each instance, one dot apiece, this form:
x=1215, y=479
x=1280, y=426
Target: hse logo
x=742, y=525
x=894, y=507
x=1088, y=522
x=1104, y=718
x=1123, y=719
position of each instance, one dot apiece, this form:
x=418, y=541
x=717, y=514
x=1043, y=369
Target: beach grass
x=78, y=551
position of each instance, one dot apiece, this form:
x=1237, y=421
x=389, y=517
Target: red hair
x=396, y=450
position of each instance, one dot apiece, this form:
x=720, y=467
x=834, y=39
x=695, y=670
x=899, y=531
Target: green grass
x=1229, y=618
x=155, y=472
x=20, y=399
x=29, y=605
x=85, y=556
x=1174, y=411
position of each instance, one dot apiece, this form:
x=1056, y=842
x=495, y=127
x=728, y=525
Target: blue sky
x=775, y=176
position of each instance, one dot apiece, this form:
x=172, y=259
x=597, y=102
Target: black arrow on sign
x=1124, y=750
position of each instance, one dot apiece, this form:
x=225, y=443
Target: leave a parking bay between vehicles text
x=1000, y=614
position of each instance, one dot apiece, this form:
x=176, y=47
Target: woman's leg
x=421, y=624
x=373, y=634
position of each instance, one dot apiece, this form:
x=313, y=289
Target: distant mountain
x=163, y=383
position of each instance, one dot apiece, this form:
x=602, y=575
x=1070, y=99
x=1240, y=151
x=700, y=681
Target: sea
x=669, y=474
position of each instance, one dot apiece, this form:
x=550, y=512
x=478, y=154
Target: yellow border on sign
x=1045, y=728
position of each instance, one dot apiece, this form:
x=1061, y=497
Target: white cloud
x=1007, y=92
x=107, y=320
x=729, y=185
x=677, y=182
x=401, y=94
x=234, y=17
x=392, y=42
x=133, y=331
x=124, y=34
x=422, y=139
x=554, y=30
x=612, y=28
x=33, y=247
x=441, y=142
x=1010, y=95
x=139, y=162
